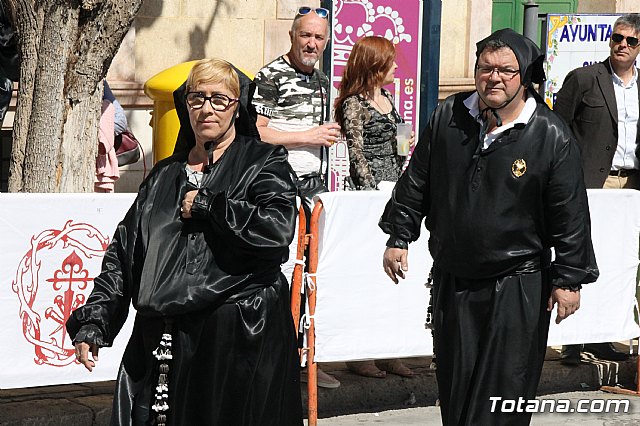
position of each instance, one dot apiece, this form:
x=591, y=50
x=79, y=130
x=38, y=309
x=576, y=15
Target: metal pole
x=544, y=20
x=430, y=60
x=530, y=23
x=327, y=60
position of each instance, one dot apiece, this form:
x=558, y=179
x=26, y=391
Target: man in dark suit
x=600, y=103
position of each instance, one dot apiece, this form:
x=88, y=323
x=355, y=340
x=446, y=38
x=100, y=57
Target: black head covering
x=530, y=60
x=529, y=56
x=245, y=124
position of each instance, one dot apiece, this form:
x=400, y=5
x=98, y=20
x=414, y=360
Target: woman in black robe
x=198, y=254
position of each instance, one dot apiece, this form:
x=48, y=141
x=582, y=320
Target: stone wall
x=250, y=33
x=247, y=33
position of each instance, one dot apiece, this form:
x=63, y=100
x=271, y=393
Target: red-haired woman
x=368, y=120
x=366, y=114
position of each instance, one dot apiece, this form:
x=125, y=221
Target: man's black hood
x=530, y=57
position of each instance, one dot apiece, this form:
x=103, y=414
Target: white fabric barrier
x=606, y=306
x=52, y=245
x=361, y=314
x=38, y=289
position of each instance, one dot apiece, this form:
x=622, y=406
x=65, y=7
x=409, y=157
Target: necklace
x=380, y=109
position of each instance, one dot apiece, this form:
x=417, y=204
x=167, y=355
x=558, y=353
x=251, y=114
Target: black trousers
x=490, y=340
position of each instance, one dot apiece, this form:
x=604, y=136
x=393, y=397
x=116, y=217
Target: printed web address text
x=521, y=405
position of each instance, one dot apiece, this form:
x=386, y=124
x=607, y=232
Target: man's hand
x=82, y=355
x=568, y=302
x=325, y=135
x=394, y=262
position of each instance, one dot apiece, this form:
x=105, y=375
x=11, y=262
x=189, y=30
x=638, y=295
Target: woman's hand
x=412, y=140
x=82, y=354
x=187, y=202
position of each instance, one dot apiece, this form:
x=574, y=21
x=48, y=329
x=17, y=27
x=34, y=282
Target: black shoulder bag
x=311, y=184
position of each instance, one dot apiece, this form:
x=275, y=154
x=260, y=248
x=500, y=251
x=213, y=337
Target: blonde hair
x=214, y=70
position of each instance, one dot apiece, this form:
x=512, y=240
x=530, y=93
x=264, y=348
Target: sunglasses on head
x=631, y=41
x=320, y=11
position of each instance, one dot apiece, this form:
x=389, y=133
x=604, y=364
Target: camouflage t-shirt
x=292, y=102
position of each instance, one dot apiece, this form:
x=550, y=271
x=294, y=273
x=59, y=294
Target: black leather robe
x=216, y=278
x=493, y=216
x=483, y=220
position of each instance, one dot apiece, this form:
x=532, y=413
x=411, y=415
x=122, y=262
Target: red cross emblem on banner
x=67, y=259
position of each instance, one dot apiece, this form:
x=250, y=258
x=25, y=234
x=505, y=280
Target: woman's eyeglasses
x=219, y=102
x=631, y=41
x=320, y=11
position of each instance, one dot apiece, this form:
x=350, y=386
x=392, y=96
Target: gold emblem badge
x=519, y=167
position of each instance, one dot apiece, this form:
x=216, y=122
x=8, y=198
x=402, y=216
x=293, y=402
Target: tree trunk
x=66, y=47
x=29, y=27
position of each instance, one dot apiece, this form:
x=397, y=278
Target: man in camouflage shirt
x=290, y=99
x=291, y=96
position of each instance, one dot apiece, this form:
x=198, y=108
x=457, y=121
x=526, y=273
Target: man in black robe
x=498, y=177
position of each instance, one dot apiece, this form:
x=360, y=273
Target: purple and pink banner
x=396, y=20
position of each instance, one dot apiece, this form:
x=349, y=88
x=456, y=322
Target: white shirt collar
x=472, y=102
x=617, y=80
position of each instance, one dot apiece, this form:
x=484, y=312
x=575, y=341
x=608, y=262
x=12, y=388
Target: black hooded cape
x=493, y=216
x=213, y=282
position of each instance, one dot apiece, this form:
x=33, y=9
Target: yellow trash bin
x=164, y=121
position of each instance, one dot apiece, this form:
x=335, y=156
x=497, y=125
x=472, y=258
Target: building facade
x=250, y=33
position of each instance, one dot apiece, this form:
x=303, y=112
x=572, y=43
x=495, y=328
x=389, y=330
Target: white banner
x=606, y=306
x=361, y=314
x=574, y=41
x=52, y=245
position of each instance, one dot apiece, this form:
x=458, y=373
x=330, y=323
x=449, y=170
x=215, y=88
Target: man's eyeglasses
x=504, y=73
x=218, y=101
x=320, y=11
x=631, y=41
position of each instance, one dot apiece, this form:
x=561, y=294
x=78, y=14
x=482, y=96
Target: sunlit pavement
x=430, y=416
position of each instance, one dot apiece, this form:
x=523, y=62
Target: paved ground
x=360, y=395
x=368, y=400
x=430, y=416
